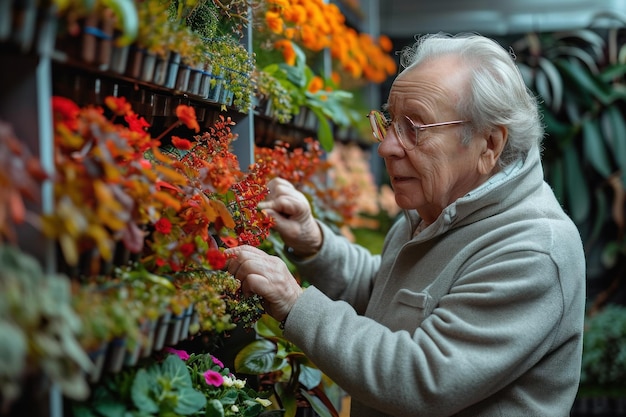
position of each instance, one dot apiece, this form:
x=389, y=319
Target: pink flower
x=180, y=353
x=213, y=378
x=217, y=362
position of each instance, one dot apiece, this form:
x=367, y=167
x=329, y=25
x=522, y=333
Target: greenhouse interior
x=205, y=210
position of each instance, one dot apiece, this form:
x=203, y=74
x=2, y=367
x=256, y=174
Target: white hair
x=499, y=96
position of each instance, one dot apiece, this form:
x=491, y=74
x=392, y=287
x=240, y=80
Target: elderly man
x=475, y=306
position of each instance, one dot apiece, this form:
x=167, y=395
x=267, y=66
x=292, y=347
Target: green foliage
x=292, y=374
x=38, y=328
x=162, y=389
x=174, y=387
x=579, y=79
x=604, y=358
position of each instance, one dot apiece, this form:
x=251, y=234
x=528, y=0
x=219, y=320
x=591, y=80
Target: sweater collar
x=490, y=197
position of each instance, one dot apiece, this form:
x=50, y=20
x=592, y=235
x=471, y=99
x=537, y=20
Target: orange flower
x=274, y=22
x=385, y=43
x=316, y=84
x=187, y=116
x=182, y=144
x=118, y=105
x=285, y=46
x=297, y=14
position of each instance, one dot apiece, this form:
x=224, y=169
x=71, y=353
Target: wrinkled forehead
x=438, y=82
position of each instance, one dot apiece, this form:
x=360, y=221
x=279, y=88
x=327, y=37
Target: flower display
x=180, y=383
x=316, y=25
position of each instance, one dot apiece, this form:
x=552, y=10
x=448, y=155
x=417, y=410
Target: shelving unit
x=39, y=71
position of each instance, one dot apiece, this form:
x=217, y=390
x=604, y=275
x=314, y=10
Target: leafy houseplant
x=39, y=329
x=604, y=358
x=579, y=77
x=282, y=365
x=178, y=385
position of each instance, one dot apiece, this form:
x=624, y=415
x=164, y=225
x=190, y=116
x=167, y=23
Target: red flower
x=187, y=249
x=118, y=105
x=187, y=116
x=136, y=123
x=213, y=378
x=182, y=144
x=65, y=112
x=163, y=225
x=216, y=258
x=231, y=242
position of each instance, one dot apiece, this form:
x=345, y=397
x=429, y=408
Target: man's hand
x=293, y=218
x=267, y=276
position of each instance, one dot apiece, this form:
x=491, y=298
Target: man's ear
x=494, y=144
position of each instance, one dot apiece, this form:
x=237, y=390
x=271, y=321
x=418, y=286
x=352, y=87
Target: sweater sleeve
x=342, y=270
x=497, y=322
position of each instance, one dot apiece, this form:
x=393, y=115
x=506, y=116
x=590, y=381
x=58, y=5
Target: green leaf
x=556, y=178
x=174, y=369
x=595, y=151
x=310, y=377
x=576, y=188
x=609, y=74
x=324, y=132
x=142, y=392
x=214, y=408
x=259, y=357
x=317, y=404
x=585, y=81
x=554, y=127
x=267, y=326
x=190, y=401
x=615, y=130
x=287, y=400
x=126, y=13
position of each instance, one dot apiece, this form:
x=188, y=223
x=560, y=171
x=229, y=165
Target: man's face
x=440, y=169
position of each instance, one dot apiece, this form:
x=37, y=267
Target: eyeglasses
x=403, y=127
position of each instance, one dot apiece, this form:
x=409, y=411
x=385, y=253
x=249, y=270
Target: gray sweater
x=480, y=314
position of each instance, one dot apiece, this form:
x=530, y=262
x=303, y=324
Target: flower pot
x=161, y=330
x=182, y=77
x=135, y=61
x=147, y=66
x=160, y=69
x=115, y=355
x=98, y=40
x=119, y=59
x=149, y=330
x=187, y=315
x=216, y=89
x=132, y=355
x=195, y=79
x=98, y=357
x=173, y=330
x=172, y=70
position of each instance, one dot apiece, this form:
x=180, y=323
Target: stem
x=166, y=131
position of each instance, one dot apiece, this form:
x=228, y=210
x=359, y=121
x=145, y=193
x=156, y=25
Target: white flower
x=234, y=408
x=263, y=401
x=239, y=384
x=228, y=382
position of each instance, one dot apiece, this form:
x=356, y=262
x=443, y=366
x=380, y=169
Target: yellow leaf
x=69, y=249
x=224, y=214
x=103, y=240
x=167, y=199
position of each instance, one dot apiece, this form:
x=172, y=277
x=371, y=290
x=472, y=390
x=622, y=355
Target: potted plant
x=295, y=380
x=39, y=331
x=176, y=383
x=603, y=377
